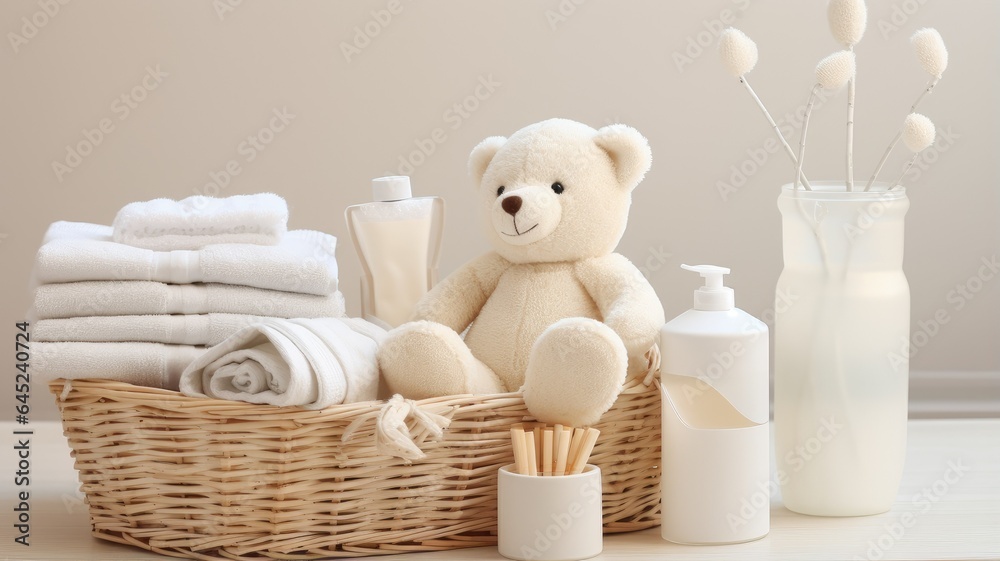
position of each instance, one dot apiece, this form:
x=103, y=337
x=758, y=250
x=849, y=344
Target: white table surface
x=963, y=524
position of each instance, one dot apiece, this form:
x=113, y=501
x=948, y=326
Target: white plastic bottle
x=714, y=376
x=398, y=240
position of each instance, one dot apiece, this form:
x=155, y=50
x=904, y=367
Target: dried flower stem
x=850, y=130
x=895, y=139
x=788, y=149
x=906, y=169
x=802, y=137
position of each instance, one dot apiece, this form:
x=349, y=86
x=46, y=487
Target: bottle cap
x=391, y=188
x=713, y=297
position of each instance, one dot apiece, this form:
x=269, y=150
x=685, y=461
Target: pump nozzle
x=714, y=296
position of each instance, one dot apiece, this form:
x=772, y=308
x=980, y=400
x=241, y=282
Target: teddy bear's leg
x=575, y=371
x=424, y=359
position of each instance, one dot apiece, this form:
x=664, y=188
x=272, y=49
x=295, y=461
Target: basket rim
x=112, y=389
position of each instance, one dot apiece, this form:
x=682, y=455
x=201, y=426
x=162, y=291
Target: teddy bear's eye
x=558, y=188
x=500, y=190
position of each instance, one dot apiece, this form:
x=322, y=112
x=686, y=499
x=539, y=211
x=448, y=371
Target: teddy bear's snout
x=511, y=205
x=525, y=214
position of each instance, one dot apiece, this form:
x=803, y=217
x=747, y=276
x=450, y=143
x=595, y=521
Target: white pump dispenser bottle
x=716, y=455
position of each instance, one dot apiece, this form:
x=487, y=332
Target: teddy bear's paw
x=424, y=359
x=575, y=372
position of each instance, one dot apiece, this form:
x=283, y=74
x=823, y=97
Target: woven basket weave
x=211, y=479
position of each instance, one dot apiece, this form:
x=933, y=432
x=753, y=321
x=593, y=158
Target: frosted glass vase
x=842, y=318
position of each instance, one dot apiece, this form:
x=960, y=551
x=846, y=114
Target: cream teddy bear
x=551, y=310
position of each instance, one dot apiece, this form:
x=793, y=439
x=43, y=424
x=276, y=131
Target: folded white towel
x=142, y=364
x=194, y=222
x=312, y=363
x=126, y=298
x=202, y=329
x=303, y=262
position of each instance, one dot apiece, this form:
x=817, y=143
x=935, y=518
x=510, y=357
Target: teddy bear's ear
x=482, y=155
x=629, y=152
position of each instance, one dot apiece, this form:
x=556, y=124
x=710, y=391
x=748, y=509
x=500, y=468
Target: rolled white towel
x=143, y=364
x=127, y=298
x=311, y=363
x=304, y=261
x=202, y=329
x=194, y=222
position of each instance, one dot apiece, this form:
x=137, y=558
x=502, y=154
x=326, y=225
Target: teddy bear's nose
x=511, y=205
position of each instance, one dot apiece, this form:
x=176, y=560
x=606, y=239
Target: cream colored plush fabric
x=551, y=309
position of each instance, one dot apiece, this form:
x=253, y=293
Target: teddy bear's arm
x=457, y=300
x=627, y=302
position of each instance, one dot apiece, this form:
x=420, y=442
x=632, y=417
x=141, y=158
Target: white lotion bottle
x=398, y=240
x=715, y=484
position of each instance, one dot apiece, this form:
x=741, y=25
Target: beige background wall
x=224, y=71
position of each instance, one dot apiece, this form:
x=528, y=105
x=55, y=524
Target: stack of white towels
x=141, y=300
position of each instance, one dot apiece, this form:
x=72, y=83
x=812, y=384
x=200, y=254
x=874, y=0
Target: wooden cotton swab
x=574, y=448
x=547, y=452
x=517, y=439
x=584, y=454
x=556, y=435
x=574, y=458
x=538, y=449
x=516, y=450
x=563, y=451
x=530, y=446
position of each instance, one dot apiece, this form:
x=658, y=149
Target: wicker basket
x=210, y=479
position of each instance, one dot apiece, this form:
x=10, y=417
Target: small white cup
x=550, y=518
